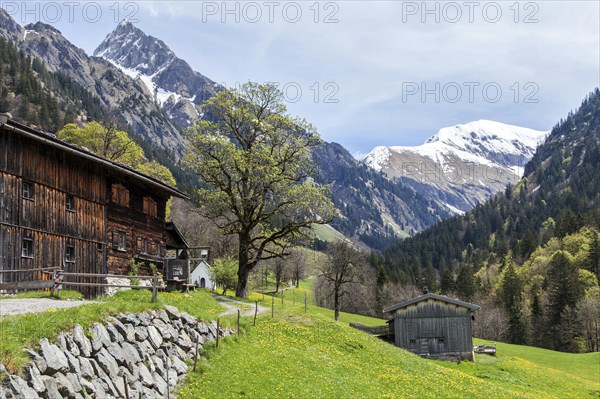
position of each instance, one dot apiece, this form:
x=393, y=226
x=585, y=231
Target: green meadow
x=302, y=353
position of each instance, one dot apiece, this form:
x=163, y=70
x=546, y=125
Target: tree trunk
x=336, y=305
x=242, y=287
x=243, y=268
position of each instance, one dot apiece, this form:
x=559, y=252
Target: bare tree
x=200, y=231
x=589, y=312
x=491, y=321
x=344, y=267
x=297, y=266
x=278, y=267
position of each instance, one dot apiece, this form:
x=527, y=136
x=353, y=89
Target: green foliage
x=466, y=285
x=255, y=163
x=158, y=171
x=447, y=282
x=511, y=288
x=564, y=290
x=134, y=270
x=224, y=272
x=107, y=142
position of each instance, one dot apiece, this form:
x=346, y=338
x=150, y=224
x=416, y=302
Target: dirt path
x=246, y=309
x=9, y=307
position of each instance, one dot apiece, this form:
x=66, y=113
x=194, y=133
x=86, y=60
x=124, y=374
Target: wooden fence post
x=218, y=324
x=196, y=352
x=304, y=301
x=272, y=306
x=255, y=312
x=282, y=291
x=54, y=279
x=238, y=323
x=154, y=287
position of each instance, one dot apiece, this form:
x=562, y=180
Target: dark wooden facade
x=433, y=325
x=61, y=206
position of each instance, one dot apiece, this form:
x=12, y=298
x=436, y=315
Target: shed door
x=423, y=346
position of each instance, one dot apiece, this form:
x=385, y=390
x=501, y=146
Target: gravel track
x=246, y=309
x=10, y=307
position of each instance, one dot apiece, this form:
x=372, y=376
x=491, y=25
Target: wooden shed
x=64, y=207
x=434, y=325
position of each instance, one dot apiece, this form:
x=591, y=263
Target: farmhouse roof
x=425, y=297
x=51, y=140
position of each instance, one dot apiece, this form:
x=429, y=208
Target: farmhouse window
x=150, y=207
x=28, y=190
x=70, y=254
x=27, y=248
x=143, y=246
x=119, y=240
x=120, y=194
x=70, y=203
x=151, y=248
x=122, y=242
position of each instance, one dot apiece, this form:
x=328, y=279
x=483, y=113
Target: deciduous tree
x=224, y=271
x=106, y=141
x=256, y=163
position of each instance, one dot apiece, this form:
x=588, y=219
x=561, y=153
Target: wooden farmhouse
x=433, y=325
x=63, y=206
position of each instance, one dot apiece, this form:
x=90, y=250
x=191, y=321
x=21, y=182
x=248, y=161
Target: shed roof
x=117, y=167
x=425, y=297
x=174, y=237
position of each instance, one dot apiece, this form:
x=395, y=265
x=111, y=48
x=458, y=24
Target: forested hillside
x=532, y=253
x=35, y=95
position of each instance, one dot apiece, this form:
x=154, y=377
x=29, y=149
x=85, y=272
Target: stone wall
x=139, y=355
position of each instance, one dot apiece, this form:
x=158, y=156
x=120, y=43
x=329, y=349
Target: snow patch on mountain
x=479, y=142
x=161, y=96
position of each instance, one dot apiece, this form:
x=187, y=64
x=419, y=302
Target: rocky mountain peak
x=130, y=48
x=177, y=89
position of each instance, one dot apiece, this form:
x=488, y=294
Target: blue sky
x=370, y=73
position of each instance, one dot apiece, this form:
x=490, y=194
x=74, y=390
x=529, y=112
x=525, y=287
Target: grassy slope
x=327, y=233
x=309, y=355
x=534, y=370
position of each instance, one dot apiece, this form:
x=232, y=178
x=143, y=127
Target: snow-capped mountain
x=176, y=88
x=462, y=165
